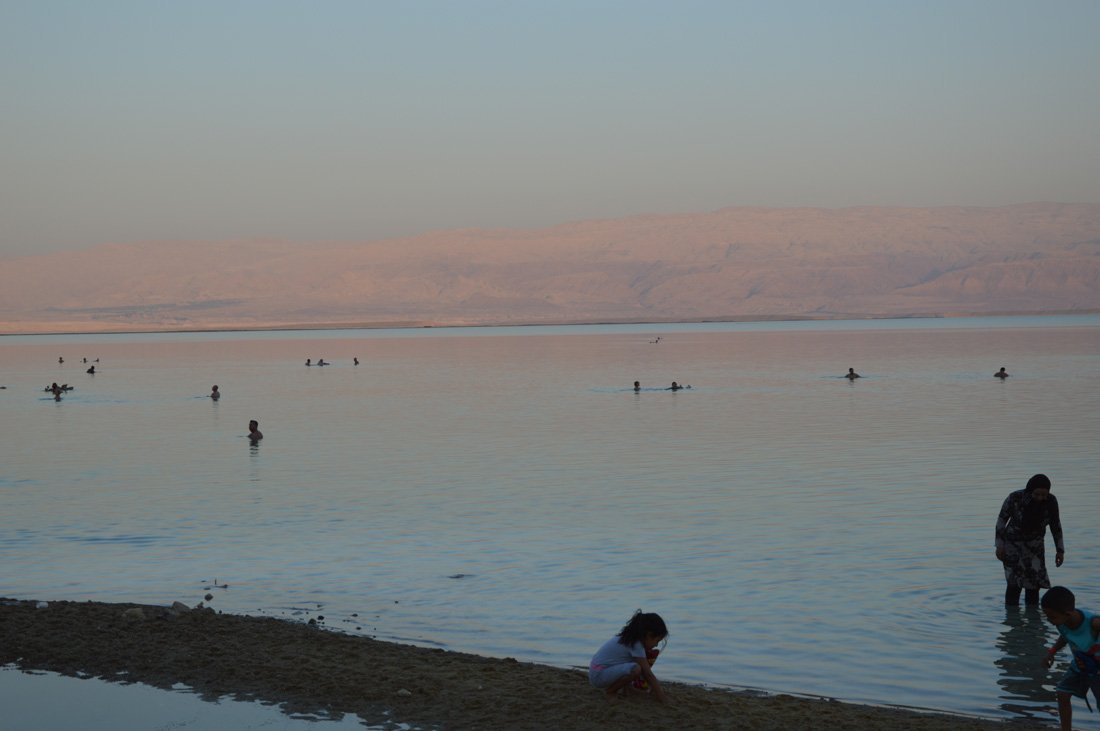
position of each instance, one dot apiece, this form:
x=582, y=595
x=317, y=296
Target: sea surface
x=505, y=491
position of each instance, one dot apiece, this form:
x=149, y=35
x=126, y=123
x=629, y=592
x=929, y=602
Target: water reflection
x=42, y=700
x=1026, y=685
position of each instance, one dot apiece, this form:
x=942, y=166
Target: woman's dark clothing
x=1021, y=532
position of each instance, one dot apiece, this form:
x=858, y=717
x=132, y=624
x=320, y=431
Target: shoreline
x=426, y=325
x=302, y=668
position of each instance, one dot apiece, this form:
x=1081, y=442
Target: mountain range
x=730, y=264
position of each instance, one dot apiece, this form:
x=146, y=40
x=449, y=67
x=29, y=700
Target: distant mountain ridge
x=734, y=263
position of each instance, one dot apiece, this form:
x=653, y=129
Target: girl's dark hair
x=641, y=624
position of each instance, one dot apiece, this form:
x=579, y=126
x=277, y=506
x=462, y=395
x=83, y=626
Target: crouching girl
x=623, y=658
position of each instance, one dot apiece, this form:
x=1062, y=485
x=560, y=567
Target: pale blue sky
x=124, y=121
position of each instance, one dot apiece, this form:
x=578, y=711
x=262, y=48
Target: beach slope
x=305, y=669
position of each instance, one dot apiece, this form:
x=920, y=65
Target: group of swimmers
x=57, y=390
x=674, y=387
x=323, y=362
x=254, y=432
x=851, y=375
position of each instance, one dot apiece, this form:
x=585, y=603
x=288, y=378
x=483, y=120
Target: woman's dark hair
x=1036, y=514
x=1037, y=482
x=641, y=624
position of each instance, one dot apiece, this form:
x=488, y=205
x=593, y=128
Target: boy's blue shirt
x=1082, y=642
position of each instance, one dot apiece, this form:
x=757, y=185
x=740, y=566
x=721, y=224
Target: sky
x=124, y=121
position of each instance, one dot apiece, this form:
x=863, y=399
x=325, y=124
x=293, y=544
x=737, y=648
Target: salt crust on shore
x=308, y=670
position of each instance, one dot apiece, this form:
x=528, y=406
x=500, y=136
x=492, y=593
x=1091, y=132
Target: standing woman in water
x=1021, y=537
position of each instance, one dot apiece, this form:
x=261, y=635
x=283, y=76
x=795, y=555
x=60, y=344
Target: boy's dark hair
x=639, y=625
x=1059, y=598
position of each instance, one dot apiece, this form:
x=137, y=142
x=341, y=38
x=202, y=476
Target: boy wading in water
x=1079, y=629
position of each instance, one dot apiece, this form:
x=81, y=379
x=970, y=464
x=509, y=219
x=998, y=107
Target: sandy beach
x=304, y=668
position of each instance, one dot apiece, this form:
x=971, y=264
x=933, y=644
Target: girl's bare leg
x=612, y=691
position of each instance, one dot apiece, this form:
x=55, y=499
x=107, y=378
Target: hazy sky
x=124, y=121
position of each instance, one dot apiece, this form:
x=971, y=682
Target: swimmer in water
x=1001, y=374
x=215, y=393
x=254, y=432
x=852, y=375
x=637, y=386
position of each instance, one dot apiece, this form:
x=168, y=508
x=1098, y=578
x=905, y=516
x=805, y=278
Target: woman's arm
x=1003, y=519
x=1056, y=529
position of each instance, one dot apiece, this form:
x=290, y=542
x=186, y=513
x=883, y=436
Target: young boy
x=1079, y=629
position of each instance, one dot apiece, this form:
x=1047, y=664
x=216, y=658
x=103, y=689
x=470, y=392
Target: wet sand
x=306, y=669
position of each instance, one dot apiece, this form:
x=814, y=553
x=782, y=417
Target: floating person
x=623, y=659
x=308, y=362
x=356, y=361
x=1078, y=628
x=91, y=370
x=1001, y=374
x=637, y=386
x=215, y=393
x=852, y=375
x=1020, y=537
x=254, y=432
x=674, y=387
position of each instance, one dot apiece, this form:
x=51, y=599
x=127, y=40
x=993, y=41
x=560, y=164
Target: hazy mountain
x=729, y=264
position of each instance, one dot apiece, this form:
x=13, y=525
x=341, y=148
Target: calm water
x=505, y=492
